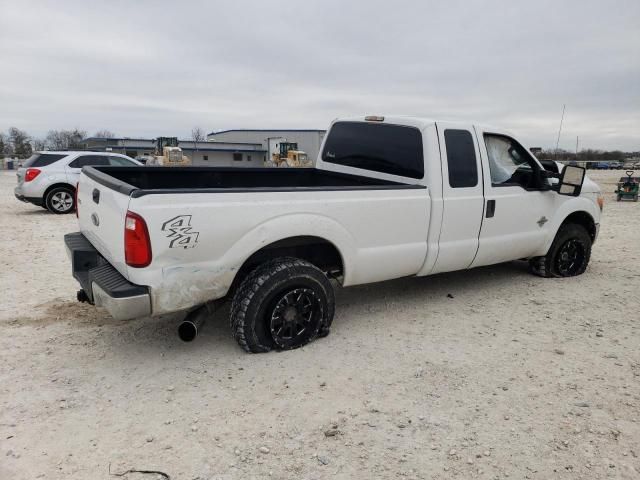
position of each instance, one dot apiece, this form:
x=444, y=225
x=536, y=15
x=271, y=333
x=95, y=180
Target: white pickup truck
x=389, y=197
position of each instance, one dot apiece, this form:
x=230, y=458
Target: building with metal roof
x=215, y=154
x=308, y=140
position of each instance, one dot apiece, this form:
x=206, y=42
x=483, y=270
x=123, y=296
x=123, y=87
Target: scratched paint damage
x=183, y=287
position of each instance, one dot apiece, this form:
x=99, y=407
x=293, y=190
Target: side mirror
x=571, y=180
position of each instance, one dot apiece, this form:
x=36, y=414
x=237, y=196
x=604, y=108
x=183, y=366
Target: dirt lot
x=489, y=373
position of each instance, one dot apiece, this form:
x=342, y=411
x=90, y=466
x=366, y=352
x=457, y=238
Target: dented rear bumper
x=103, y=284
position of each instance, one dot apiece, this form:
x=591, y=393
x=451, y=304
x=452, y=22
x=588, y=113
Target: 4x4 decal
x=179, y=231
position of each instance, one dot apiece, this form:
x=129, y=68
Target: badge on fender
x=179, y=231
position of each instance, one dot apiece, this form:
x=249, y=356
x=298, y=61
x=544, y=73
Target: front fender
x=572, y=205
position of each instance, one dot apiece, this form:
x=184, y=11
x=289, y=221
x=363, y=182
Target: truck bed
x=224, y=215
x=138, y=181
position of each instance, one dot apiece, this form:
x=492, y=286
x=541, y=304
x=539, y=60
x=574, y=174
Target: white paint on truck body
x=376, y=243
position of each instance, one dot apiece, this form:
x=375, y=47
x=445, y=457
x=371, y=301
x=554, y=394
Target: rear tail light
x=31, y=174
x=137, y=244
x=75, y=195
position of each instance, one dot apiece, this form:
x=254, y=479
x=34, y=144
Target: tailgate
x=101, y=214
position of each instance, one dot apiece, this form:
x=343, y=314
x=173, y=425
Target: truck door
x=518, y=205
x=462, y=197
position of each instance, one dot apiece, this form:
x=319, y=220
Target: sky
x=151, y=68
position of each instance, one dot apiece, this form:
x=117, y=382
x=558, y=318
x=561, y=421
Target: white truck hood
x=589, y=186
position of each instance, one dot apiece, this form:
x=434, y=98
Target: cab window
x=509, y=163
x=461, y=158
x=86, y=160
x=379, y=147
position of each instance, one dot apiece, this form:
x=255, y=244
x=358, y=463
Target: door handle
x=491, y=208
x=96, y=195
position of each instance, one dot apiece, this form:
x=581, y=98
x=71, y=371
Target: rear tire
x=568, y=255
x=60, y=200
x=283, y=304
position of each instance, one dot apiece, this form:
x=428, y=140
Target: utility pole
x=560, y=130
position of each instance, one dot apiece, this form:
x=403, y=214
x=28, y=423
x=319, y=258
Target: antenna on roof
x=559, y=130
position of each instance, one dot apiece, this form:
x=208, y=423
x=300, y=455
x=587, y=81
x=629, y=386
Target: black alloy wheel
x=294, y=314
x=570, y=258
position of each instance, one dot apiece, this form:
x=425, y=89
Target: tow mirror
x=571, y=180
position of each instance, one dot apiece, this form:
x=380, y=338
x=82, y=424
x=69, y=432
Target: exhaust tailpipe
x=193, y=323
x=82, y=296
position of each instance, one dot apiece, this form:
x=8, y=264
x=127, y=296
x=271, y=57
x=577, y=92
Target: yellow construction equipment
x=168, y=153
x=288, y=155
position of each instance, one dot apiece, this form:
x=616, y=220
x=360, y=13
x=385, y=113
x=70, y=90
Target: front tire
x=60, y=200
x=283, y=304
x=568, y=255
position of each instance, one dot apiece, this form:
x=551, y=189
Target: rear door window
x=379, y=147
x=42, y=160
x=461, y=158
x=86, y=160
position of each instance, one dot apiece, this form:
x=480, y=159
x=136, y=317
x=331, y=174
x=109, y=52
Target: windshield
x=392, y=149
x=42, y=159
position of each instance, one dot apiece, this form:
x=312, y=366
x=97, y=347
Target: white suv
x=48, y=179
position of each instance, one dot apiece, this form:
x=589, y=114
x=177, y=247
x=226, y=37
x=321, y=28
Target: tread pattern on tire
x=539, y=267
x=247, y=290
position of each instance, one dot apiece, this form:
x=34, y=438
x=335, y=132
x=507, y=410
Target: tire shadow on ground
x=160, y=333
x=35, y=212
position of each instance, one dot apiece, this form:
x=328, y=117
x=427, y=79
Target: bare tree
x=104, y=134
x=38, y=143
x=19, y=140
x=197, y=134
x=76, y=137
x=66, y=139
x=4, y=144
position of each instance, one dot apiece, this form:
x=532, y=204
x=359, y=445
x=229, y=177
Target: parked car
x=600, y=165
x=144, y=159
x=389, y=197
x=48, y=179
x=616, y=165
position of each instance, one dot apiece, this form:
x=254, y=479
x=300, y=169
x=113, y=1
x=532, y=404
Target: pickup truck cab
x=389, y=197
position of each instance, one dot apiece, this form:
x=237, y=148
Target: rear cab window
x=378, y=147
x=42, y=160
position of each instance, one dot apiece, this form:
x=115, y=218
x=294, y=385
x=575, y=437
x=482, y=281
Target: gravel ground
x=488, y=373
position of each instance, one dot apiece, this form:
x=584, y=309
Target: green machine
x=628, y=187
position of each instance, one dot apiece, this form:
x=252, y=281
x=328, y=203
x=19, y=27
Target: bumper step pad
x=90, y=267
